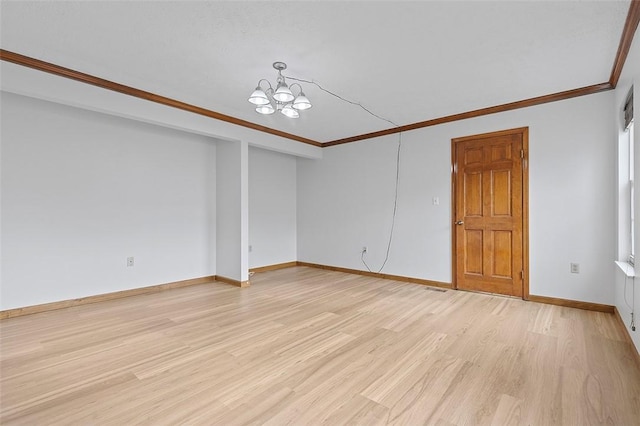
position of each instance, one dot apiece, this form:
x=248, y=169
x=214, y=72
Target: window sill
x=626, y=268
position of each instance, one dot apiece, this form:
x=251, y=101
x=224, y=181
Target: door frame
x=524, y=131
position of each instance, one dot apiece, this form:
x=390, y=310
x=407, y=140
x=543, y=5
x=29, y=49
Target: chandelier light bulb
x=301, y=102
x=283, y=94
x=289, y=111
x=258, y=97
x=265, y=109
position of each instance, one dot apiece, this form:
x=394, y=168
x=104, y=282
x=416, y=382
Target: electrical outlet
x=364, y=249
x=575, y=268
x=250, y=248
x=130, y=261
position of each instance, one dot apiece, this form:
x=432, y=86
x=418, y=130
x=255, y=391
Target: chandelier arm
x=268, y=83
x=296, y=84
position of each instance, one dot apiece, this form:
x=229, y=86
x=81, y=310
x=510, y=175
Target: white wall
x=82, y=191
x=345, y=201
x=272, y=208
x=232, y=216
x=630, y=76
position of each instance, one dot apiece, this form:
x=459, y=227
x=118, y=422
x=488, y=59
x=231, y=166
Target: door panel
x=473, y=194
x=502, y=249
x=474, y=249
x=488, y=212
x=501, y=192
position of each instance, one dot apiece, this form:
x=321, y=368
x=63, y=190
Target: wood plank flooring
x=307, y=346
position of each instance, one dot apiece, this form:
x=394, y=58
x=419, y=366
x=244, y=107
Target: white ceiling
x=405, y=61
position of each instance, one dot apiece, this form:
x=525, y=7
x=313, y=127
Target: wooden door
x=489, y=229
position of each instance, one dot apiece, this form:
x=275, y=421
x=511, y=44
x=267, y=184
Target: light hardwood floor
x=306, y=346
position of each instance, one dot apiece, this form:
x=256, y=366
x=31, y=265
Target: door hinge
x=522, y=153
x=522, y=275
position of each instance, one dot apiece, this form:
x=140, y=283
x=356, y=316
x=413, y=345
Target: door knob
x=460, y=222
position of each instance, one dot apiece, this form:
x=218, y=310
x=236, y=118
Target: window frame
x=626, y=182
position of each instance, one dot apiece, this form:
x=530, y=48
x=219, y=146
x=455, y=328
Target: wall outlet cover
x=575, y=268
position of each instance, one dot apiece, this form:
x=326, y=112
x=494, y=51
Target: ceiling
x=405, y=61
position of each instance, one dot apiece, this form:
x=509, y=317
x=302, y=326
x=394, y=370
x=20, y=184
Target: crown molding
x=628, y=32
x=60, y=71
x=588, y=90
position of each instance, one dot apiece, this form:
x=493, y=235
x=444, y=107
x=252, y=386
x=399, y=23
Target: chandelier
x=268, y=101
